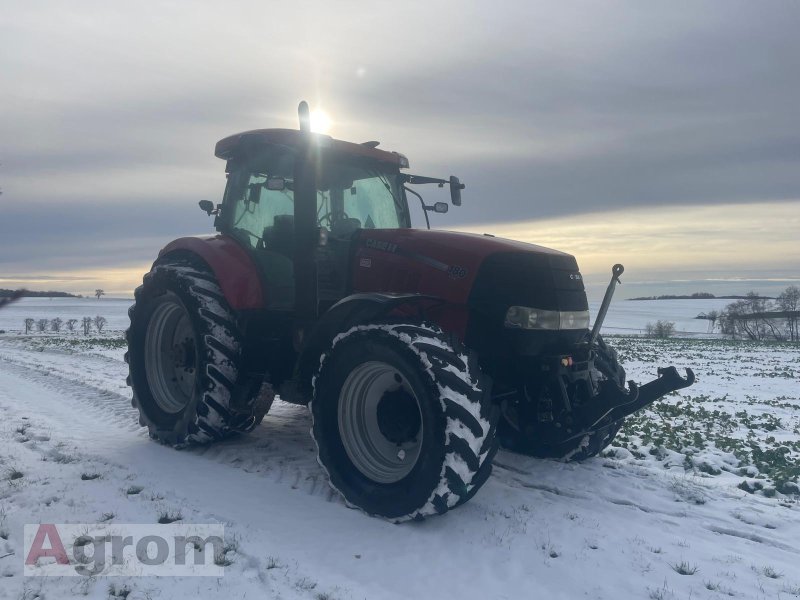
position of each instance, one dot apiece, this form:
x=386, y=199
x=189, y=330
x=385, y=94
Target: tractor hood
x=464, y=268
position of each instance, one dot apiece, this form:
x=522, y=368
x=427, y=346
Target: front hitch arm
x=669, y=380
x=613, y=403
x=616, y=271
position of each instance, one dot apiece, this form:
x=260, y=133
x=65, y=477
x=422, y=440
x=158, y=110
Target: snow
x=619, y=526
x=115, y=310
x=624, y=316
x=632, y=316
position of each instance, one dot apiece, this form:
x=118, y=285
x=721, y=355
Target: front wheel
x=403, y=421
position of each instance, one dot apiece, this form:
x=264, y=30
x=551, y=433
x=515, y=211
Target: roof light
x=402, y=159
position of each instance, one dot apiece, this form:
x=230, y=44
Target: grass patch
x=684, y=568
x=771, y=573
x=120, y=592
x=306, y=584
x=166, y=517
x=221, y=558
x=14, y=474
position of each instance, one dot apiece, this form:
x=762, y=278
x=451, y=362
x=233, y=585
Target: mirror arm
x=424, y=207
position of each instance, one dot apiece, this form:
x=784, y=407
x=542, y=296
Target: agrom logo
x=101, y=550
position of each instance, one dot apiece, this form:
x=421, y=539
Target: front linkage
x=575, y=401
x=613, y=402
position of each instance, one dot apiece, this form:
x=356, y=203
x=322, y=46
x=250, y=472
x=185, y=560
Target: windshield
x=367, y=195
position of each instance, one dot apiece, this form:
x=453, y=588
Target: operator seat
x=275, y=259
x=343, y=229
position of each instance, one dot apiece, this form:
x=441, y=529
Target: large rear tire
x=184, y=357
x=403, y=420
x=606, y=366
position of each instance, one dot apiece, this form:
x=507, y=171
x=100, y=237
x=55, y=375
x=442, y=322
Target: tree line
x=757, y=318
x=55, y=325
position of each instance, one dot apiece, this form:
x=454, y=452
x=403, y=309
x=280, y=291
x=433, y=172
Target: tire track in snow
x=280, y=449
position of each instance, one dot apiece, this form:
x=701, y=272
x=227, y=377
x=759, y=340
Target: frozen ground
x=697, y=499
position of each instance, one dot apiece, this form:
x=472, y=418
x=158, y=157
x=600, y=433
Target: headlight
x=523, y=317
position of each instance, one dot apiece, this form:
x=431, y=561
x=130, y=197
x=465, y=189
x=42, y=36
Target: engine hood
x=447, y=264
x=472, y=245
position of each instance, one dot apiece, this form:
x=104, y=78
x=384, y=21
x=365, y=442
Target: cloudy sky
x=664, y=135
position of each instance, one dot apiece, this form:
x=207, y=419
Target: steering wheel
x=320, y=221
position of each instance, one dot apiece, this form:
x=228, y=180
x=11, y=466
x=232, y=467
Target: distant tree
x=712, y=317
x=789, y=301
x=29, y=323
x=99, y=323
x=98, y=292
x=87, y=325
x=660, y=329
x=55, y=324
x=41, y=324
x=746, y=317
x=71, y=324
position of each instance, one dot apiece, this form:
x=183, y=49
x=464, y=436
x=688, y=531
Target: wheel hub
x=170, y=356
x=398, y=416
x=380, y=422
x=183, y=354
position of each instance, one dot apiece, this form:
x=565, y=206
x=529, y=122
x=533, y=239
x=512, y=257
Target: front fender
x=349, y=312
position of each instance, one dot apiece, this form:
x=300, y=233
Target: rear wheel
x=402, y=420
x=513, y=436
x=184, y=357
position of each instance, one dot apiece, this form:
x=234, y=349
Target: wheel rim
x=170, y=356
x=380, y=422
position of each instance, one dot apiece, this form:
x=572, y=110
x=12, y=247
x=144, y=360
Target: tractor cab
x=275, y=174
x=298, y=202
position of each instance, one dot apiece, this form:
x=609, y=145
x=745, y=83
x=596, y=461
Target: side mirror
x=441, y=207
x=276, y=184
x=207, y=206
x=254, y=193
x=455, y=190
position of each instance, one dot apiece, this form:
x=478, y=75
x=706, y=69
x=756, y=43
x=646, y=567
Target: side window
x=257, y=211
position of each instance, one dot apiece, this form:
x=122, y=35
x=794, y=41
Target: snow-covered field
x=696, y=499
x=624, y=316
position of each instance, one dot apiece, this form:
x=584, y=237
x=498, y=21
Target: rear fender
x=235, y=271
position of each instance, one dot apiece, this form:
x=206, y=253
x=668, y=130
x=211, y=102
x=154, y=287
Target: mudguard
x=235, y=271
x=350, y=311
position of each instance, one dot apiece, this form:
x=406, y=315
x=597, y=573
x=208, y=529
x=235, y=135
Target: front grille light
x=524, y=317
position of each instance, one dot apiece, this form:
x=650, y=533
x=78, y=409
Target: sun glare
x=320, y=121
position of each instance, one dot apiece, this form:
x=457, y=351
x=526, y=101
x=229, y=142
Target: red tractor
x=417, y=351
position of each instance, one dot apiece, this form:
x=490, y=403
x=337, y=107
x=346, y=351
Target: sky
x=662, y=135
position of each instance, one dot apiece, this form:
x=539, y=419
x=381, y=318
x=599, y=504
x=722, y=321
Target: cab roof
x=234, y=145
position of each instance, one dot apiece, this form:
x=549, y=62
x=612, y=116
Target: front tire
x=185, y=362
x=403, y=420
